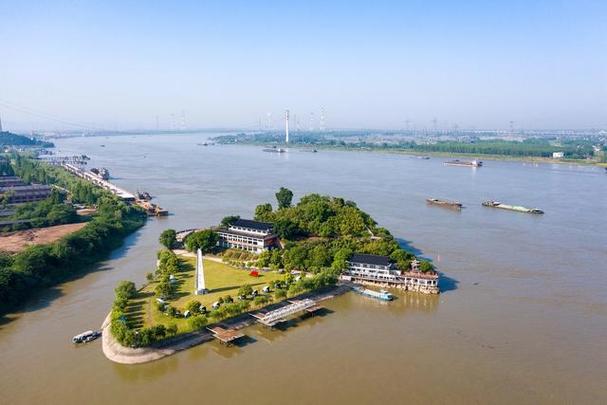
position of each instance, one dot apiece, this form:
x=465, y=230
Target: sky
x=228, y=64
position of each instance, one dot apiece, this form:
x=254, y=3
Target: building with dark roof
x=20, y=194
x=249, y=235
x=380, y=271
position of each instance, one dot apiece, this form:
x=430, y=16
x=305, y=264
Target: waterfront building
x=17, y=192
x=558, y=155
x=245, y=234
x=381, y=271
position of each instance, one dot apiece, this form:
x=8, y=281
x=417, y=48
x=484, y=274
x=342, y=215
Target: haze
x=120, y=65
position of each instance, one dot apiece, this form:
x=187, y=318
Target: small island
x=210, y=283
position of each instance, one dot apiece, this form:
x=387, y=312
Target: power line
x=29, y=111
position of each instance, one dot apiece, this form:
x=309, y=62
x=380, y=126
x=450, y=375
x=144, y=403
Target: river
x=522, y=317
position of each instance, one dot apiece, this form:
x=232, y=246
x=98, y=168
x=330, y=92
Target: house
x=558, y=155
x=249, y=235
x=381, y=271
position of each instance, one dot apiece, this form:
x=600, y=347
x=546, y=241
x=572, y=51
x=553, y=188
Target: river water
x=522, y=317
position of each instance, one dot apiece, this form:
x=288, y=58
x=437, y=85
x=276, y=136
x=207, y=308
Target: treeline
x=10, y=139
x=45, y=265
x=321, y=233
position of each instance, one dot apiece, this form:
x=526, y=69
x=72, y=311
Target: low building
x=558, y=155
x=245, y=234
x=380, y=271
x=25, y=194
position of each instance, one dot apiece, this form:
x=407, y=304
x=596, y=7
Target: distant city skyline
x=383, y=65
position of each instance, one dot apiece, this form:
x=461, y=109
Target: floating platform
x=226, y=336
x=273, y=318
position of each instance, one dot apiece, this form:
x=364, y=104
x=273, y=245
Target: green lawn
x=220, y=278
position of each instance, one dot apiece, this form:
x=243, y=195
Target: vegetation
x=10, y=139
x=284, y=196
x=205, y=240
x=168, y=238
x=573, y=148
x=45, y=265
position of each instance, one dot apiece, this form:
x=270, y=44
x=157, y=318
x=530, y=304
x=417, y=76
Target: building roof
x=247, y=223
x=370, y=259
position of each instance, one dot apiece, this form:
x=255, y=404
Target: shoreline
x=117, y=353
x=506, y=158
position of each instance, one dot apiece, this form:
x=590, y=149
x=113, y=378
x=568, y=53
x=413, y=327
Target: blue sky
x=541, y=64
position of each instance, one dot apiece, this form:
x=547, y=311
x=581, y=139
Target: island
x=211, y=283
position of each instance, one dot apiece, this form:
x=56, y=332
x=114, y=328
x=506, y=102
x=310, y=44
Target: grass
x=220, y=278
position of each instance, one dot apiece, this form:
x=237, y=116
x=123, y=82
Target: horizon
x=387, y=66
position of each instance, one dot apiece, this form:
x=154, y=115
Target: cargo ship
x=464, y=163
x=445, y=203
x=517, y=208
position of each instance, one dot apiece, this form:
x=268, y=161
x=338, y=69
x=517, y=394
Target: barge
x=517, y=208
x=464, y=163
x=380, y=295
x=445, y=203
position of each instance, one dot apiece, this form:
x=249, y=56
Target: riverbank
x=446, y=155
x=118, y=353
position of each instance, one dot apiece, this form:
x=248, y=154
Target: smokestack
x=287, y=126
x=0, y=123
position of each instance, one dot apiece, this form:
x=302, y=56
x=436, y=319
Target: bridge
x=273, y=318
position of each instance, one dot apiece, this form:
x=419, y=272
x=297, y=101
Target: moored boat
x=87, y=336
x=381, y=294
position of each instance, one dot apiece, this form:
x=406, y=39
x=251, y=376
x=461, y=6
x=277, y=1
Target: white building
x=245, y=234
x=558, y=155
x=380, y=271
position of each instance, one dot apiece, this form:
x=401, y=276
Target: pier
x=225, y=336
x=273, y=318
x=150, y=208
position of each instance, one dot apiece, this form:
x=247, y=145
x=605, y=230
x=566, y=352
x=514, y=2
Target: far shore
x=117, y=353
x=525, y=159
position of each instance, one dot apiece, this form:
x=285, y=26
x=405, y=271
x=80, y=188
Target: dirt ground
x=14, y=242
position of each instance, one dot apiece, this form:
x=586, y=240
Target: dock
x=273, y=318
x=126, y=196
x=225, y=336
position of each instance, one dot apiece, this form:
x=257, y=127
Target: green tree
x=284, y=196
x=205, y=240
x=245, y=290
x=425, y=266
x=227, y=221
x=263, y=212
x=126, y=289
x=193, y=306
x=168, y=238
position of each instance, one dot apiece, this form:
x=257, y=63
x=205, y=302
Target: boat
x=380, y=295
x=87, y=336
x=517, y=208
x=144, y=195
x=464, y=163
x=102, y=173
x=274, y=150
x=445, y=203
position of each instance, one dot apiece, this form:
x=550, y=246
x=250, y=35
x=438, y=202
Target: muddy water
x=522, y=317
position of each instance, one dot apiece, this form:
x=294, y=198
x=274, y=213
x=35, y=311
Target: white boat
x=380, y=295
x=87, y=336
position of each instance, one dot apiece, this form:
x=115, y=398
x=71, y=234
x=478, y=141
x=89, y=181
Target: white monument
x=200, y=284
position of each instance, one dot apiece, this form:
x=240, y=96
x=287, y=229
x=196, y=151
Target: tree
x=286, y=229
x=245, y=290
x=168, y=238
x=193, y=306
x=229, y=220
x=125, y=289
x=284, y=196
x=171, y=329
x=263, y=212
x=204, y=240
x=425, y=266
